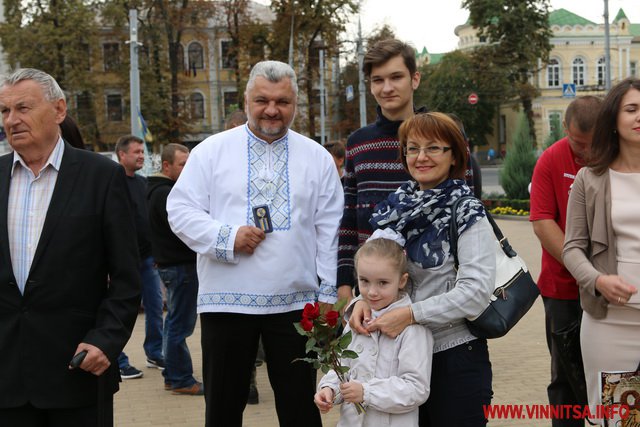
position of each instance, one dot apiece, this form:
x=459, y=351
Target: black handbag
x=515, y=291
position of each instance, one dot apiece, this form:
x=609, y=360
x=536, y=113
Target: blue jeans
x=152, y=302
x=123, y=360
x=181, y=282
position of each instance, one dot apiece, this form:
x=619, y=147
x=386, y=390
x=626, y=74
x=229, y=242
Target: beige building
x=206, y=81
x=577, y=59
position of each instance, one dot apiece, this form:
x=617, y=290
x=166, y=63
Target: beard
x=271, y=131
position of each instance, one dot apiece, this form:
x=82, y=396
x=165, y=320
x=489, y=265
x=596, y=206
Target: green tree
x=447, y=85
x=317, y=24
x=517, y=33
x=249, y=37
x=57, y=37
x=519, y=162
x=556, y=131
x=162, y=25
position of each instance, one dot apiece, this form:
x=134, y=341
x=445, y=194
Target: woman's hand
x=615, y=289
x=360, y=315
x=392, y=323
x=324, y=400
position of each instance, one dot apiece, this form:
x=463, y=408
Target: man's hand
x=247, y=239
x=391, y=323
x=324, y=400
x=615, y=289
x=361, y=314
x=352, y=391
x=95, y=362
x=345, y=292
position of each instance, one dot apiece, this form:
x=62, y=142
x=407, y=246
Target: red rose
x=332, y=317
x=306, y=324
x=311, y=311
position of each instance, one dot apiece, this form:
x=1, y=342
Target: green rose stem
x=335, y=361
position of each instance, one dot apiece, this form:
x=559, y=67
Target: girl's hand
x=324, y=399
x=615, y=289
x=392, y=323
x=360, y=314
x=352, y=391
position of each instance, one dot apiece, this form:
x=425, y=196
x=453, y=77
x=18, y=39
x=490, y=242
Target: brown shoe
x=194, y=390
x=167, y=386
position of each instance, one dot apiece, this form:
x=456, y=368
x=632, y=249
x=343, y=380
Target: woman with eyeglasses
x=433, y=151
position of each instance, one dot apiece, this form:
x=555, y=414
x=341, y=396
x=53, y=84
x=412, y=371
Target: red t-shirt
x=552, y=179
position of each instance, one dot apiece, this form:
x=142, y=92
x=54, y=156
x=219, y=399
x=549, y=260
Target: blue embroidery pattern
x=269, y=180
x=222, y=243
x=254, y=300
x=327, y=289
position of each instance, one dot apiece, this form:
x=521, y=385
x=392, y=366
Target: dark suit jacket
x=83, y=286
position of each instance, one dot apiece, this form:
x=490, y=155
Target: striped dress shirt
x=29, y=197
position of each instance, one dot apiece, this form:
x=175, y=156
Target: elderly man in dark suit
x=69, y=280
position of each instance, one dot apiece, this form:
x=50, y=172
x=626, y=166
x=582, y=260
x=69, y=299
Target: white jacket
x=395, y=374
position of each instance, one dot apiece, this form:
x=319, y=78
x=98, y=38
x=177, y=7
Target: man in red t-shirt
x=550, y=186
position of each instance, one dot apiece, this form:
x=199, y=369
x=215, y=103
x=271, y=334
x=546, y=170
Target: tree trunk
x=528, y=112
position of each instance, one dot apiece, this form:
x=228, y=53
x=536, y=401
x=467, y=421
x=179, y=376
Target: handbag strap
x=453, y=233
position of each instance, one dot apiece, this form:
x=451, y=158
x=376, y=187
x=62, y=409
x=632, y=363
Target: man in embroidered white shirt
x=254, y=283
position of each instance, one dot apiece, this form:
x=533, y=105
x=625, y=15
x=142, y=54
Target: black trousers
x=29, y=416
x=229, y=346
x=460, y=385
x=560, y=313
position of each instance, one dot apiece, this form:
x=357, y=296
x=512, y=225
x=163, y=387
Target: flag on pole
x=146, y=133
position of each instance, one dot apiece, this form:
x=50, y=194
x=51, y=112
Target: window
x=601, y=71
x=553, y=73
x=84, y=106
x=227, y=54
x=230, y=102
x=633, y=69
x=555, y=122
x=196, y=105
x=111, y=56
x=86, y=51
x=196, y=60
x=578, y=71
x=114, y=108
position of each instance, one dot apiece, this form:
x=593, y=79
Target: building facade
x=576, y=67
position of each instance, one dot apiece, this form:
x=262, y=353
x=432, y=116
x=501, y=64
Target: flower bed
x=508, y=210
x=507, y=207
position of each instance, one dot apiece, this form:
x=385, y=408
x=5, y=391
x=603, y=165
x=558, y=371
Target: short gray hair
x=274, y=71
x=50, y=88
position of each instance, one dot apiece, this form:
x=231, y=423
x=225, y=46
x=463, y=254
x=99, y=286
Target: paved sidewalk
x=520, y=368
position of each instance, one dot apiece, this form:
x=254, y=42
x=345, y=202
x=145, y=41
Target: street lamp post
x=361, y=87
x=607, y=54
x=134, y=73
x=321, y=59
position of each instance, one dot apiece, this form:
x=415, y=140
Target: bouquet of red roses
x=323, y=341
